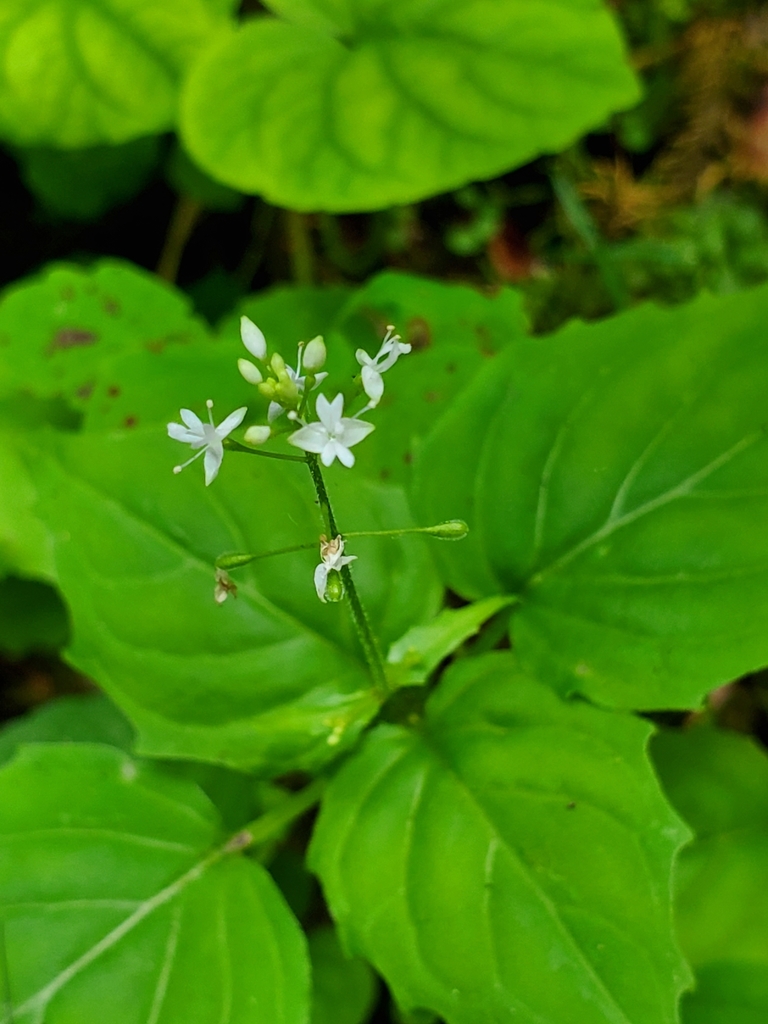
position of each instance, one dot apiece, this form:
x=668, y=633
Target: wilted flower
x=333, y=560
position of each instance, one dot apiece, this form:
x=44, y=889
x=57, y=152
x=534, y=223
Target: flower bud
x=257, y=435
x=314, y=355
x=277, y=363
x=334, y=587
x=250, y=371
x=267, y=388
x=454, y=529
x=253, y=339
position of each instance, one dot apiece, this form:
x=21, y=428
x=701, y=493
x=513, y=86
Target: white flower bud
x=253, y=339
x=250, y=371
x=257, y=435
x=314, y=354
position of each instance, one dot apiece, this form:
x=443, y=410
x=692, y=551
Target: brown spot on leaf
x=408, y=458
x=385, y=474
x=130, y=421
x=418, y=333
x=571, y=806
x=113, y=391
x=450, y=368
x=72, y=337
x=111, y=306
x=432, y=396
x=67, y=293
x=484, y=341
x=85, y=391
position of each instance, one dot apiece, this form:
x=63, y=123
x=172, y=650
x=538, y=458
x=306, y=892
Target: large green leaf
x=356, y=106
x=718, y=782
x=273, y=680
x=122, y=904
x=510, y=860
x=61, y=332
x=453, y=330
x=615, y=477
x=84, y=72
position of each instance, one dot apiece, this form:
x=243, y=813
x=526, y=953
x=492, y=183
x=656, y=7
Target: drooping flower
x=224, y=586
x=334, y=435
x=205, y=436
x=333, y=560
x=392, y=347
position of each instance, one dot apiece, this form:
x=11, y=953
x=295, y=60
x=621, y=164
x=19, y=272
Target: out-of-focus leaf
x=343, y=989
x=357, y=106
x=32, y=617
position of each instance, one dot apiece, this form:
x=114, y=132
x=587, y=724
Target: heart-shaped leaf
x=133, y=909
x=508, y=861
x=615, y=476
x=356, y=106
x=271, y=681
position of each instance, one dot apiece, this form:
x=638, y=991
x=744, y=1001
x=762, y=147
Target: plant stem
x=364, y=631
x=185, y=217
x=235, y=446
x=300, y=247
x=235, y=560
x=274, y=821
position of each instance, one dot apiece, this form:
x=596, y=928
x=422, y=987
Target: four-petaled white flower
x=374, y=366
x=205, y=436
x=333, y=559
x=334, y=435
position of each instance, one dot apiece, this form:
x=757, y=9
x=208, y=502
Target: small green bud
x=232, y=562
x=267, y=388
x=278, y=364
x=314, y=355
x=334, y=587
x=257, y=435
x=454, y=529
x=250, y=371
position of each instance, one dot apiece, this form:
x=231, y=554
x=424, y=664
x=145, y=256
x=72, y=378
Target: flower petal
x=212, y=462
x=253, y=339
x=233, y=420
x=329, y=452
x=353, y=431
x=274, y=411
x=321, y=580
x=184, y=434
x=329, y=413
x=312, y=438
x=192, y=421
x=363, y=358
x=344, y=455
x=373, y=384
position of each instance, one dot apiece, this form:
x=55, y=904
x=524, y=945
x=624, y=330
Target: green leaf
x=343, y=990
x=415, y=655
x=357, y=106
x=32, y=617
x=272, y=681
x=79, y=73
x=510, y=860
x=718, y=781
x=615, y=477
x=82, y=184
x=61, y=332
x=453, y=329
x=132, y=910
x=83, y=718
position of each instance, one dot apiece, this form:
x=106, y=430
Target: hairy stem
x=363, y=626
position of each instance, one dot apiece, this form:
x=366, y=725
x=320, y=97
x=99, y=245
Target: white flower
x=334, y=435
x=374, y=366
x=333, y=559
x=253, y=339
x=206, y=437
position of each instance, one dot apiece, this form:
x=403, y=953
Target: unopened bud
x=235, y=561
x=314, y=354
x=257, y=435
x=277, y=363
x=267, y=388
x=454, y=529
x=253, y=339
x=334, y=587
x=250, y=371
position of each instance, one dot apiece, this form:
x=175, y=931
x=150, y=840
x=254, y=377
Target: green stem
x=276, y=820
x=300, y=247
x=235, y=446
x=236, y=560
x=364, y=631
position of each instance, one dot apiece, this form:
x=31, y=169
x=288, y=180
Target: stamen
x=209, y=404
x=178, y=469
